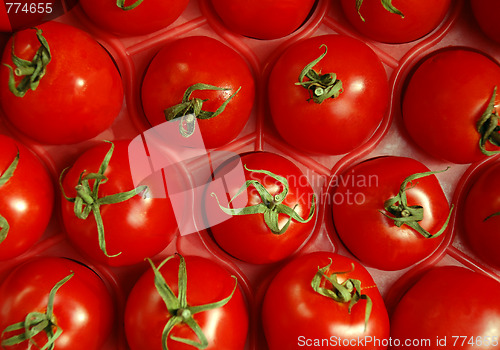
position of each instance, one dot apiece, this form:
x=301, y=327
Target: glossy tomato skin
x=199, y=59
x=26, y=199
x=207, y=282
x=79, y=96
x=83, y=307
x=338, y=125
x=147, y=17
x=258, y=19
x=367, y=233
x=485, y=14
x=444, y=99
x=420, y=18
x=482, y=201
x=294, y=315
x=445, y=304
x=138, y=228
x=247, y=237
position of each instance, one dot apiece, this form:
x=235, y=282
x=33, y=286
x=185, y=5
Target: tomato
x=258, y=19
x=81, y=306
x=113, y=232
x=201, y=303
x=352, y=77
x=278, y=212
x=480, y=216
x=302, y=308
x=133, y=17
x=401, y=22
x=451, y=96
x=26, y=198
x=74, y=98
x=187, y=62
x=373, y=229
x=444, y=309
x=484, y=12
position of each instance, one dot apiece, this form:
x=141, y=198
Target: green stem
x=320, y=86
x=403, y=214
x=121, y=4
x=492, y=216
x=387, y=4
x=6, y=176
x=270, y=206
x=88, y=201
x=488, y=126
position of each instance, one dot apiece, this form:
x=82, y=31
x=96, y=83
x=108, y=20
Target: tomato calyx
x=387, y=5
x=348, y=291
x=36, y=322
x=488, y=126
x=31, y=71
x=8, y=173
x=403, y=214
x=87, y=199
x=320, y=86
x=121, y=4
x=190, y=109
x=271, y=206
x=178, y=308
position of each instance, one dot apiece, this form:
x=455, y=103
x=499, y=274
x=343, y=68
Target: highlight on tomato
x=58, y=85
x=133, y=17
x=390, y=212
x=395, y=21
x=452, y=95
x=198, y=81
x=444, y=309
x=327, y=94
x=186, y=303
x=54, y=303
x=269, y=215
x=481, y=215
x=322, y=300
x=26, y=198
x=106, y=216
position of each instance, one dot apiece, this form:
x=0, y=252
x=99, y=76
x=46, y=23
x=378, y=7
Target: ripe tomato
x=480, y=222
x=446, y=98
x=81, y=306
x=401, y=22
x=485, y=12
x=360, y=94
x=189, y=299
x=133, y=17
x=140, y=226
x=445, y=309
x=302, y=307
x=279, y=209
x=186, y=62
x=363, y=216
x=258, y=19
x=74, y=98
x=26, y=198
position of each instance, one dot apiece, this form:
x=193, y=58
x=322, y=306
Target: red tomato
x=82, y=306
x=26, y=198
x=258, y=19
x=269, y=233
x=138, y=227
x=200, y=60
x=223, y=326
x=336, y=125
x=296, y=316
x=485, y=12
x=442, y=104
x=133, y=17
x=77, y=98
x=402, y=22
x=364, y=224
x=480, y=222
x=445, y=310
